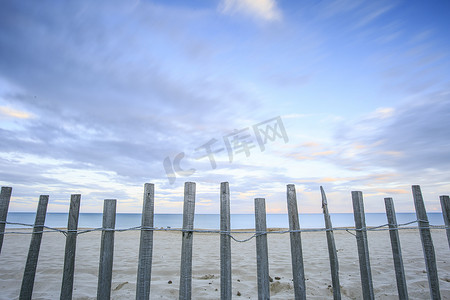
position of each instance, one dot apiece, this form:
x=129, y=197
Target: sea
x=212, y=221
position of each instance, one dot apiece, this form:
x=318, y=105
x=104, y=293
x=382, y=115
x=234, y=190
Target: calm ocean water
x=212, y=221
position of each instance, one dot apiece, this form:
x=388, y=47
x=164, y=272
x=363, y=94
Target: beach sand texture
x=206, y=265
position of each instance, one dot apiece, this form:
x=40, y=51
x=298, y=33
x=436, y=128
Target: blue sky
x=96, y=96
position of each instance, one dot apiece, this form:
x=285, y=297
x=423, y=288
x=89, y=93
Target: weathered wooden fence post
x=106, y=250
x=71, y=245
x=26, y=290
x=396, y=249
x=298, y=272
x=225, y=243
x=262, y=253
x=427, y=243
x=363, y=246
x=5, y=196
x=144, y=273
x=332, y=253
x=187, y=241
x=445, y=204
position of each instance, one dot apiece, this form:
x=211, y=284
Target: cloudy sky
x=99, y=97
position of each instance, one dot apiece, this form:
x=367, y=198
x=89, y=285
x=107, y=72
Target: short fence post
x=106, y=250
x=26, y=290
x=187, y=241
x=427, y=243
x=332, y=253
x=225, y=243
x=363, y=246
x=5, y=196
x=71, y=242
x=396, y=249
x=144, y=273
x=298, y=272
x=262, y=255
x=445, y=204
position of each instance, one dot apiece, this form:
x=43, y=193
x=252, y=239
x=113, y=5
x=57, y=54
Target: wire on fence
x=229, y=233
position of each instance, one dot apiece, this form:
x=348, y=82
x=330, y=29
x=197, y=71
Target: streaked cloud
x=393, y=191
x=414, y=136
x=14, y=113
x=95, y=95
x=310, y=144
x=370, y=14
x=383, y=112
x=266, y=10
x=294, y=116
x=323, y=153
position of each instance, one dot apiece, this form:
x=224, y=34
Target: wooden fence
x=146, y=244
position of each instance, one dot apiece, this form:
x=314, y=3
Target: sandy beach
x=206, y=265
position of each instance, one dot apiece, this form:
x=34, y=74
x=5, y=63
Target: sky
x=99, y=97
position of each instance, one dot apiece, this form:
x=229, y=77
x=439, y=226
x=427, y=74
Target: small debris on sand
x=270, y=279
x=238, y=293
x=120, y=286
x=330, y=288
x=169, y=282
x=207, y=276
x=277, y=278
x=278, y=287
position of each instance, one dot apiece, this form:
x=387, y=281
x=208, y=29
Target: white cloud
x=14, y=113
x=382, y=113
x=266, y=10
x=295, y=116
x=410, y=137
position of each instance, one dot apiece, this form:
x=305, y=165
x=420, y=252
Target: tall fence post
x=144, y=273
x=396, y=249
x=298, y=271
x=26, y=290
x=225, y=243
x=363, y=246
x=332, y=253
x=262, y=253
x=427, y=243
x=445, y=204
x=187, y=241
x=5, y=196
x=106, y=250
x=71, y=242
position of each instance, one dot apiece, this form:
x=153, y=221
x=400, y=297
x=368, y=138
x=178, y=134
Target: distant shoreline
x=212, y=221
